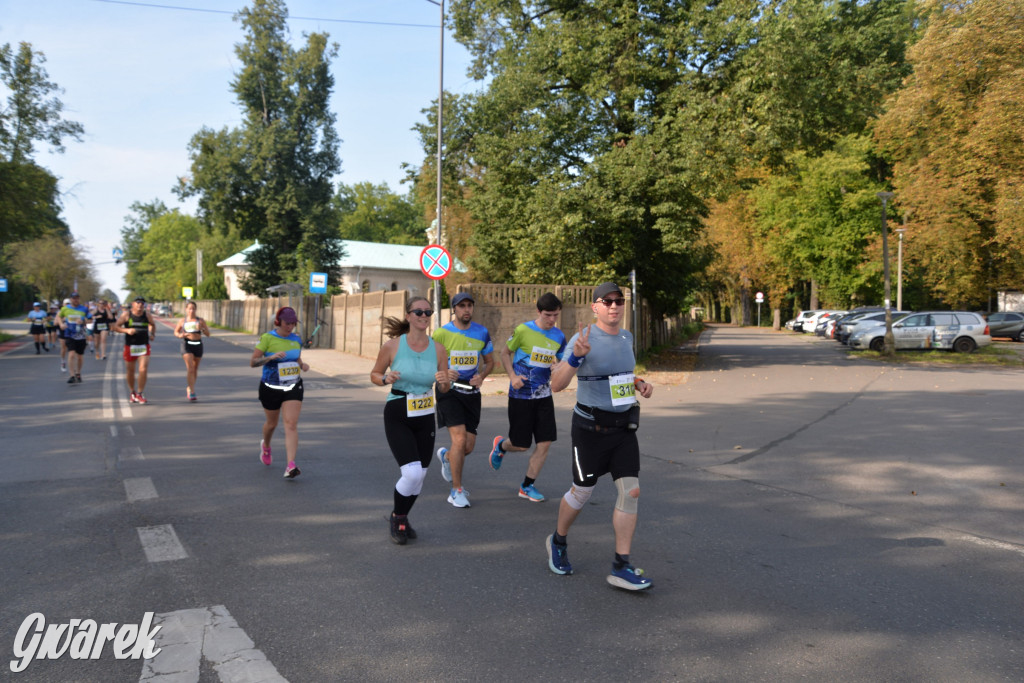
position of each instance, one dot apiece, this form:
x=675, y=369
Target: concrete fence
x=353, y=323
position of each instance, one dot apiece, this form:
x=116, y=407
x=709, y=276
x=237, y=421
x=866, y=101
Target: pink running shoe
x=291, y=471
x=264, y=453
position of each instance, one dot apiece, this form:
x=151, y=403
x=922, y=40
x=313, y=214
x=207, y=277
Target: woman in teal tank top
x=411, y=363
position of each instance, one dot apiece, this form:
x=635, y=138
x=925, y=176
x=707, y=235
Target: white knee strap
x=629, y=492
x=578, y=496
x=411, y=482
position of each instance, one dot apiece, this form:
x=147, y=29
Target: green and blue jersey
x=534, y=352
x=283, y=372
x=466, y=348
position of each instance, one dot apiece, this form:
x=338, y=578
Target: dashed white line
x=139, y=488
x=160, y=543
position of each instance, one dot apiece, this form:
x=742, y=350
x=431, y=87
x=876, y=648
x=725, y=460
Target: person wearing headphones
x=279, y=352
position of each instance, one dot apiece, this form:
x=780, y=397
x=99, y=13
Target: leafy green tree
x=53, y=265
x=31, y=204
x=168, y=260
x=819, y=70
x=31, y=114
x=459, y=171
x=820, y=219
x=373, y=213
x=597, y=136
x=954, y=134
x=271, y=178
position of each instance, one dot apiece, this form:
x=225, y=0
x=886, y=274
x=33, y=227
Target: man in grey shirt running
x=604, y=423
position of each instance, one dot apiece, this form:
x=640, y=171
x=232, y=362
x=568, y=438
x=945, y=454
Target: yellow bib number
x=542, y=357
x=288, y=372
x=462, y=360
x=137, y=350
x=419, y=404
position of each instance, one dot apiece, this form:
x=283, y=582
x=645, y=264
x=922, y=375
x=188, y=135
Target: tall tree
x=373, y=213
x=271, y=179
x=33, y=113
x=54, y=266
x=598, y=137
x=955, y=135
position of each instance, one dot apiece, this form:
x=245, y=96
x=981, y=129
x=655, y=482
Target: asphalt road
x=803, y=516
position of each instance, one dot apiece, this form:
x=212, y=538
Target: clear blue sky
x=143, y=77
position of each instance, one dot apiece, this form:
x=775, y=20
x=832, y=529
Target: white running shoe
x=458, y=498
x=446, y=468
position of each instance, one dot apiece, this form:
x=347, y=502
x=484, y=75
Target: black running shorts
x=271, y=398
x=531, y=419
x=455, y=408
x=598, y=453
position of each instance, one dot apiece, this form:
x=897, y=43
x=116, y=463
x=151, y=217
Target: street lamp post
x=899, y=271
x=890, y=342
x=440, y=110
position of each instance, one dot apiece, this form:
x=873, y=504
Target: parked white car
x=960, y=331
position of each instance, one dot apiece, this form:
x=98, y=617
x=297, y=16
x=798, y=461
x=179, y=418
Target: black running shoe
x=399, y=529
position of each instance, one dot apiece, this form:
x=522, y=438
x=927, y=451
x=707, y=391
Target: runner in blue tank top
x=411, y=363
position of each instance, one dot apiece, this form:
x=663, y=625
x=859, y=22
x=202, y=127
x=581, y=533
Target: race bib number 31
x=419, y=404
x=623, y=391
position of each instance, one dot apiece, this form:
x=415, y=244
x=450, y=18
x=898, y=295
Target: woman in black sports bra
x=190, y=330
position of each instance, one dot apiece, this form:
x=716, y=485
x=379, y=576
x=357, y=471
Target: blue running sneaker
x=458, y=498
x=558, y=557
x=629, y=578
x=446, y=468
x=531, y=493
x=496, y=454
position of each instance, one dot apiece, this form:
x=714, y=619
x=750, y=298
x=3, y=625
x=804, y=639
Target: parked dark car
x=1007, y=324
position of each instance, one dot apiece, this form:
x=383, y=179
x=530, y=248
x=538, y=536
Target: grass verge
x=988, y=355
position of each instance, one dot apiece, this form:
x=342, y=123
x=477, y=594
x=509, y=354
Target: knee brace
x=629, y=492
x=411, y=482
x=577, y=496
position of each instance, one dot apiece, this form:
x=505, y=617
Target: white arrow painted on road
x=189, y=636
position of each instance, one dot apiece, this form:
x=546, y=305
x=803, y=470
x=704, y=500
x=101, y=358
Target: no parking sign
x=435, y=262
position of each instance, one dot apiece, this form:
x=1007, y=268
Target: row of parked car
x=864, y=328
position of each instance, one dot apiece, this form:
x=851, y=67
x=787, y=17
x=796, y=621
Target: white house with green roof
x=365, y=267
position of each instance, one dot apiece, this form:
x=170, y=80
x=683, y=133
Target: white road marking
x=113, y=428
x=130, y=453
x=139, y=488
x=108, y=397
x=160, y=543
x=189, y=636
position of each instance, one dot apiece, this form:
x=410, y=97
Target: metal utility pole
x=890, y=341
x=440, y=120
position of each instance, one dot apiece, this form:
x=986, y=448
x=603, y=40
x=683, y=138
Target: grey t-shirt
x=605, y=377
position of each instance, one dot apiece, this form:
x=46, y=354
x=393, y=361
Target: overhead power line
x=232, y=13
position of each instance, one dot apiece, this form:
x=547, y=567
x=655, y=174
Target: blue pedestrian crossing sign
x=118, y=253
x=3, y=284
x=435, y=262
x=318, y=283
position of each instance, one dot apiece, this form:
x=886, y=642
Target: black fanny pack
x=607, y=420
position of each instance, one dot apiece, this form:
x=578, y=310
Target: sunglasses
x=613, y=302
x=420, y=312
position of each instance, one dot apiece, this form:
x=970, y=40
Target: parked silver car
x=960, y=331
